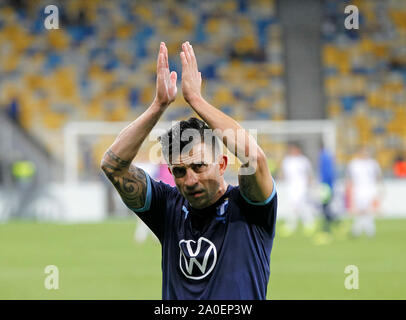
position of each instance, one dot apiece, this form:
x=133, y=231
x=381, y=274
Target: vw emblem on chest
x=197, y=259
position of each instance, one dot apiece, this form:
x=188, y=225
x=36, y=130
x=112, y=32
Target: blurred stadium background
x=291, y=64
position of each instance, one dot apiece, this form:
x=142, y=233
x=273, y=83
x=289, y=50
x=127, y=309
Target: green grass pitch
x=102, y=261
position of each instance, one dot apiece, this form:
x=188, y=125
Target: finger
x=184, y=61
x=161, y=48
x=159, y=56
x=186, y=51
x=193, y=61
x=173, y=89
x=165, y=62
x=161, y=61
x=161, y=70
x=166, y=56
x=192, y=54
x=174, y=77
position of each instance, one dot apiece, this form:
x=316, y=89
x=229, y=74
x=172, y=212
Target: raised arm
x=255, y=180
x=129, y=180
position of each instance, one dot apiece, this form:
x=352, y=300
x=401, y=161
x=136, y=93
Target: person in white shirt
x=364, y=175
x=298, y=174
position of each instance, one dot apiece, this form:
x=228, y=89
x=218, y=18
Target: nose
x=190, y=178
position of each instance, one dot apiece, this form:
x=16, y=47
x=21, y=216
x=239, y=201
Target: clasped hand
x=166, y=89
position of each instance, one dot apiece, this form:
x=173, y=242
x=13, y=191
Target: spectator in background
x=327, y=177
x=13, y=110
x=399, y=167
x=364, y=174
x=297, y=173
x=24, y=175
x=326, y=165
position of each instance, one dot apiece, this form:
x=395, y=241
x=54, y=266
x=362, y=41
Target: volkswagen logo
x=197, y=260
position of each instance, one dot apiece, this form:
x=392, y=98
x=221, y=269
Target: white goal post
x=73, y=131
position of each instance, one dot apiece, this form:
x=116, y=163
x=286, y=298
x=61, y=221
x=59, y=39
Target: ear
x=223, y=164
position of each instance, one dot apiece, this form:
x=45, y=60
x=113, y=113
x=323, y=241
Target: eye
x=198, y=167
x=179, y=172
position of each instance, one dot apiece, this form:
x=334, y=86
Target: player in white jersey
x=298, y=174
x=364, y=175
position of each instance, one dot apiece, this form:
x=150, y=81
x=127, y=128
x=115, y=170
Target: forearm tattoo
x=120, y=162
x=129, y=180
x=246, y=184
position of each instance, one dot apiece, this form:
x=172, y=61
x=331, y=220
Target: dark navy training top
x=219, y=252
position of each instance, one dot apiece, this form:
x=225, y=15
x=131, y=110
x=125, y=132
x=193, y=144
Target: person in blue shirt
x=216, y=238
x=327, y=179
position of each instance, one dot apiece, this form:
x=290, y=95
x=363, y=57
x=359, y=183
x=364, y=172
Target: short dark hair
x=295, y=144
x=174, y=134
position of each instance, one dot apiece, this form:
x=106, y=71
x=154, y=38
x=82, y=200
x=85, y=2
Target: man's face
x=198, y=176
x=364, y=153
x=294, y=151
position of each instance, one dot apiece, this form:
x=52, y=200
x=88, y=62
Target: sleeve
x=154, y=212
x=260, y=213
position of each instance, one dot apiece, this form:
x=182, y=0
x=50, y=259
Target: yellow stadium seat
x=399, y=18
x=366, y=44
x=343, y=64
x=213, y=25
x=94, y=109
x=380, y=50
x=223, y=96
x=119, y=113
x=58, y=39
x=263, y=103
x=330, y=55
x=334, y=109
x=143, y=12
x=53, y=120
x=124, y=31
x=276, y=69
x=331, y=84
x=385, y=158
x=147, y=94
